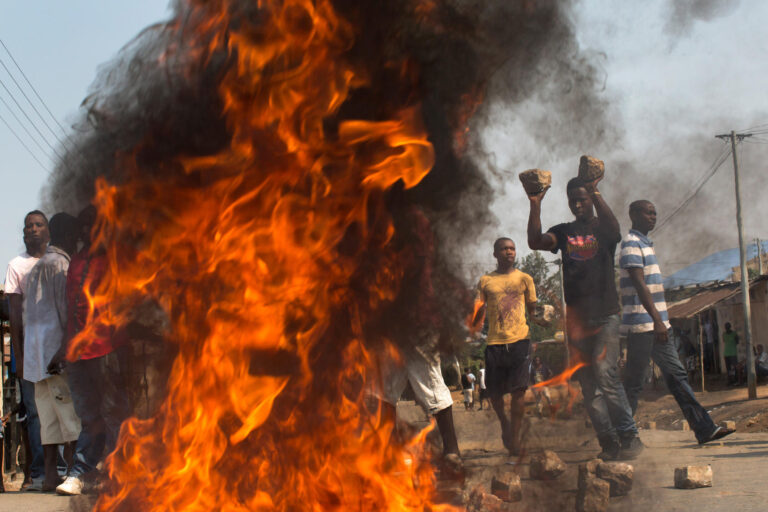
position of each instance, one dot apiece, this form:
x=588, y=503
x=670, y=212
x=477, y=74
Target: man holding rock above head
x=645, y=322
x=504, y=296
x=587, y=246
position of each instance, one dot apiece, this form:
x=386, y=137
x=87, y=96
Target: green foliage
x=547, y=281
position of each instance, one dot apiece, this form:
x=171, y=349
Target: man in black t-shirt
x=587, y=246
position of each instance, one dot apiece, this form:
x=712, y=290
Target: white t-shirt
x=763, y=358
x=16, y=275
x=472, y=380
x=482, y=378
x=45, y=312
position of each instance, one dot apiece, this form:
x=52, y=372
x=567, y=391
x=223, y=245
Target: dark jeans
x=36, y=467
x=101, y=401
x=730, y=367
x=604, y=395
x=641, y=348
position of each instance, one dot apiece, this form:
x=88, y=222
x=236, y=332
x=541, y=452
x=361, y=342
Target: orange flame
x=242, y=251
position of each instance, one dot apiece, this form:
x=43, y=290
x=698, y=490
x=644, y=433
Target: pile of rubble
x=598, y=482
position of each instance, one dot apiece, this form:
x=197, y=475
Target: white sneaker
x=72, y=486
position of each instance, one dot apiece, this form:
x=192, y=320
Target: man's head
x=727, y=326
x=504, y=251
x=759, y=349
x=537, y=360
x=64, y=230
x=579, y=199
x=643, y=216
x=86, y=218
x=36, y=233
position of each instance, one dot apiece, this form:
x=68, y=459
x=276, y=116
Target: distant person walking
x=730, y=352
x=540, y=372
x=467, y=388
x=645, y=322
x=36, y=237
x=483, y=395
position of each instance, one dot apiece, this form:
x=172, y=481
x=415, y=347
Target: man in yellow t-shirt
x=504, y=296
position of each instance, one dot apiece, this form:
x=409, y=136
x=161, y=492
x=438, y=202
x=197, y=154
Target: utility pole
x=751, y=382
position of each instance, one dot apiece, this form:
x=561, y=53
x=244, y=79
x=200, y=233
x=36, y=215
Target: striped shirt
x=637, y=252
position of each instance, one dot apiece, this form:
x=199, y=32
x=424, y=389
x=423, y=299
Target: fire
x=276, y=248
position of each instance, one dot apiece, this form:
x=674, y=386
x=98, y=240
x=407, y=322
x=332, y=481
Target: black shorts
x=507, y=367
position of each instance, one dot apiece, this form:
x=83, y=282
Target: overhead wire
x=23, y=126
x=45, y=105
x=722, y=157
x=24, y=144
x=26, y=115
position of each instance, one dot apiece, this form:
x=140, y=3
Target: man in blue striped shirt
x=645, y=322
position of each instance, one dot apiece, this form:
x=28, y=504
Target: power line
x=23, y=144
x=23, y=126
x=16, y=102
x=56, y=136
x=32, y=87
x=702, y=181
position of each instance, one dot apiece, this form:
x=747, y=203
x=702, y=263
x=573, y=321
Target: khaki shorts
x=58, y=421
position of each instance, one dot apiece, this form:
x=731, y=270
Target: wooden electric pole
x=751, y=382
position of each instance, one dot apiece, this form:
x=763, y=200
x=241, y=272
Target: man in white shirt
x=36, y=237
x=45, y=324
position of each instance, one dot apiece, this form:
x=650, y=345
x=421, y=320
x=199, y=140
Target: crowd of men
x=79, y=410
x=596, y=316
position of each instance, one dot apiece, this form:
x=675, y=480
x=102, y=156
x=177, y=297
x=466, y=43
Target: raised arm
x=536, y=239
x=605, y=216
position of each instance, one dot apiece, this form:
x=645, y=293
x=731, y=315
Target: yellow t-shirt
x=505, y=296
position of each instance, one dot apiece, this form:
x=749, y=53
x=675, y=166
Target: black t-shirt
x=465, y=384
x=588, y=276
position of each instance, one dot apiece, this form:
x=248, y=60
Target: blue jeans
x=604, y=395
x=641, y=348
x=100, y=399
x=36, y=466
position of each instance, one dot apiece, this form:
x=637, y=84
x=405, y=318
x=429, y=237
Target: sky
x=59, y=46
x=672, y=77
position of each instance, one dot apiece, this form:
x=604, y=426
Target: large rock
x=588, y=470
x=481, y=501
x=590, y=168
x=618, y=475
x=594, y=496
x=535, y=181
x=507, y=487
x=693, y=477
x=546, y=466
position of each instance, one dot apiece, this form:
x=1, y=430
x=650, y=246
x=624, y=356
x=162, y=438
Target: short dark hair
x=727, y=324
x=635, y=206
x=61, y=226
x=498, y=242
x=36, y=212
x=575, y=183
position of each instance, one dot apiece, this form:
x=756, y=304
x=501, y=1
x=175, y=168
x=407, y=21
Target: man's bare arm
x=605, y=215
x=536, y=239
x=637, y=277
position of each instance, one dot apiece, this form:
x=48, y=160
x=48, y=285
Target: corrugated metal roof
x=701, y=301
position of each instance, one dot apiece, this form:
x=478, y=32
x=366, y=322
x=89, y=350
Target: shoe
x=631, y=447
x=719, y=433
x=611, y=450
x=72, y=486
x=35, y=486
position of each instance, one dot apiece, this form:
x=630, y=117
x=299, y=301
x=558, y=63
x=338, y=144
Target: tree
x=547, y=281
